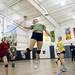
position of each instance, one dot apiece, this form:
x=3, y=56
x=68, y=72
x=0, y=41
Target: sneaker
x=58, y=73
x=35, y=67
x=63, y=69
x=13, y=65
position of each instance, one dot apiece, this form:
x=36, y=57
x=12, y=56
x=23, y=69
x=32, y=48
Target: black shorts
x=63, y=52
x=37, y=36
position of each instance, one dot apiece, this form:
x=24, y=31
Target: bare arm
x=25, y=27
x=47, y=32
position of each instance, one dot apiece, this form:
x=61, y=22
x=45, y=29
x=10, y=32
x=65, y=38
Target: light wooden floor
x=46, y=67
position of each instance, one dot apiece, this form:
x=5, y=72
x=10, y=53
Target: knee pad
x=58, y=58
x=6, y=66
x=28, y=50
x=38, y=51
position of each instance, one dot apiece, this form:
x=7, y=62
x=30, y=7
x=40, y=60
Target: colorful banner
x=52, y=33
x=68, y=33
x=74, y=32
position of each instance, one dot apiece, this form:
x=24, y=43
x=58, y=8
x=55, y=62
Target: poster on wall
x=52, y=33
x=68, y=33
x=74, y=32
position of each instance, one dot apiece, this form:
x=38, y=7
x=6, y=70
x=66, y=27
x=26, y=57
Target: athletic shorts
x=37, y=36
x=63, y=52
x=2, y=54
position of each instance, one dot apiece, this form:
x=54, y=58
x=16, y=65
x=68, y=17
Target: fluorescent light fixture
x=63, y=2
x=73, y=17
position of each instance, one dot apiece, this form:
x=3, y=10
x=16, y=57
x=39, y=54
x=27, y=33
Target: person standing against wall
x=72, y=49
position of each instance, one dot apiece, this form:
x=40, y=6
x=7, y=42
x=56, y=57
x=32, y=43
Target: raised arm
x=27, y=27
x=24, y=27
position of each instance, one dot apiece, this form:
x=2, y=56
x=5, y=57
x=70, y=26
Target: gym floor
x=46, y=67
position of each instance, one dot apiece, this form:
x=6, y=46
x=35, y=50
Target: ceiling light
x=63, y=3
x=73, y=17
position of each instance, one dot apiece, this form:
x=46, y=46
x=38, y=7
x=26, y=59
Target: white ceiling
x=60, y=10
x=17, y=8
